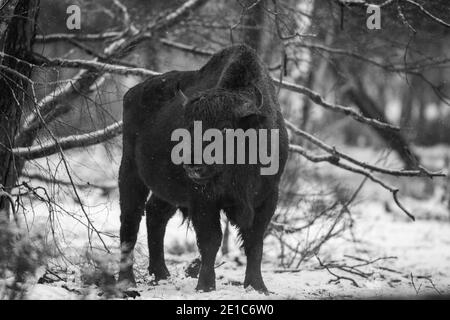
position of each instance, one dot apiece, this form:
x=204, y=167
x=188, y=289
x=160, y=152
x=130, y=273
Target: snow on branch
x=73, y=36
x=98, y=66
x=336, y=155
x=317, y=98
x=69, y=142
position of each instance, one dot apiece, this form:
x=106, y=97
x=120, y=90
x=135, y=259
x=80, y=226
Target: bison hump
x=237, y=66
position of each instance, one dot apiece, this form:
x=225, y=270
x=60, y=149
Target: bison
x=232, y=90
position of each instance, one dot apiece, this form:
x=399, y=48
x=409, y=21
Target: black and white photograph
x=239, y=152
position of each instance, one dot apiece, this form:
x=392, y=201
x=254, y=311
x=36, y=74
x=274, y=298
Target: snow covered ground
x=391, y=257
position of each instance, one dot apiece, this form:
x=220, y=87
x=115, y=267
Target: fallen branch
x=338, y=278
x=353, y=269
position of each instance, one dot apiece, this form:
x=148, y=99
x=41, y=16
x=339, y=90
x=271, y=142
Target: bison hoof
x=205, y=288
x=258, y=285
x=126, y=279
x=206, y=282
x=160, y=272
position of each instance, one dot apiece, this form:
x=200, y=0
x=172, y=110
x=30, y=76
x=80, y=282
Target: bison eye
x=222, y=126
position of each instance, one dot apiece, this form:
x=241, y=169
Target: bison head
x=218, y=109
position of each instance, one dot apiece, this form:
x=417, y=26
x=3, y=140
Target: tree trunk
x=17, y=31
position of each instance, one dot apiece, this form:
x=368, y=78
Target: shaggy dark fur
x=233, y=90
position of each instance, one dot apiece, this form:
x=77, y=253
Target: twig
x=428, y=278
x=4, y=4
x=4, y=194
x=428, y=14
x=414, y=285
x=338, y=278
x=62, y=182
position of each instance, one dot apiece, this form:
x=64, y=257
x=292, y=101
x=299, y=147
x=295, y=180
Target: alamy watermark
x=73, y=21
x=373, y=22
x=233, y=151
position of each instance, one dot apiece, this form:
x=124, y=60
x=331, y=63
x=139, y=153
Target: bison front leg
x=206, y=222
x=158, y=214
x=253, y=243
x=133, y=194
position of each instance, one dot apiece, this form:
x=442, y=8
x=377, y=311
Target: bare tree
x=17, y=32
x=117, y=45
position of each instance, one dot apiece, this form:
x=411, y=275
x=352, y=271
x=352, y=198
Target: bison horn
x=259, y=97
x=183, y=97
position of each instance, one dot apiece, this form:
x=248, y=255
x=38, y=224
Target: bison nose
x=196, y=171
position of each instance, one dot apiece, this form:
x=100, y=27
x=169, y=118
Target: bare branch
x=335, y=161
x=79, y=37
x=314, y=96
x=428, y=14
x=70, y=142
x=94, y=65
x=86, y=185
x=317, y=98
x=115, y=129
x=333, y=156
x=186, y=48
x=409, y=68
x=336, y=155
x=126, y=15
x=85, y=79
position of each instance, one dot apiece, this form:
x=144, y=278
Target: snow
x=421, y=250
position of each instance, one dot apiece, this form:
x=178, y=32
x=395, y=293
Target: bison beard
x=233, y=90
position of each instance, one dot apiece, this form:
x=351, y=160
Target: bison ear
x=250, y=113
x=246, y=109
x=249, y=116
x=181, y=96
